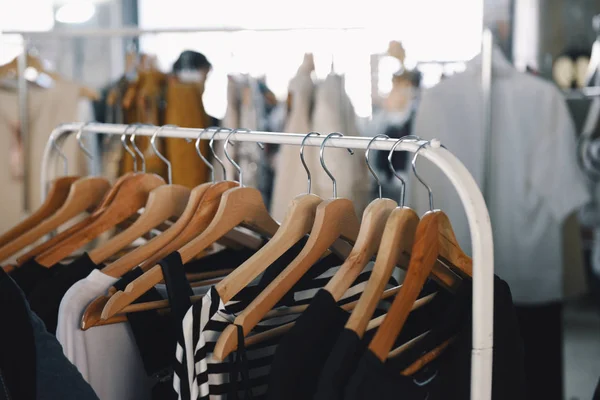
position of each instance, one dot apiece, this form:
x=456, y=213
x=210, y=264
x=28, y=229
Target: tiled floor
x=582, y=351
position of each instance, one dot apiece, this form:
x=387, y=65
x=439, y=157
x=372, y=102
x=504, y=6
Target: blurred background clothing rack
x=123, y=32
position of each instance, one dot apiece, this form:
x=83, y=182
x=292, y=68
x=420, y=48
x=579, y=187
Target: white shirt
x=535, y=182
x=107, y=355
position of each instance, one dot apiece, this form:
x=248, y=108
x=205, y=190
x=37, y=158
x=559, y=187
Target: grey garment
x=56, y=378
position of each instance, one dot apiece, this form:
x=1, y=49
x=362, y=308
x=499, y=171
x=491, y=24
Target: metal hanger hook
x=414, y=168
x=165, y=160
x=126, y=147
x=236, y=165
x=321, y=154
x=308, y=176
x=212, y=149
x=61, y=155
x=208, y=164
x=137, y=149
x=80, y=141
x=367, y=152
x=390, y=155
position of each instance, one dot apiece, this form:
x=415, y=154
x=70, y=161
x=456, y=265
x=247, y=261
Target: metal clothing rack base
x=464, y=183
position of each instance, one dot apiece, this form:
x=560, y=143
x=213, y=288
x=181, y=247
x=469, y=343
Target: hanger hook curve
x=321, y=154
x=231, y=160
x=308, y=176
x=369, y=162
x=62, y=156
x=414, y=168
x=136, y=148
x=165, y=160
x=212, y=149
x=79, y=137
x=126, y=147
x=204, y=160
x=391, y=166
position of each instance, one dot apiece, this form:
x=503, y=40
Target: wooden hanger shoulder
x=84, y=194
x=202, y=219
x=205, y=212
x=297, y=223
x=334, y=218
x=54, y=241
x=424, y=255
x=132, y=196
x=450, y=249
x=164, y=202
x=369, y=236
x=59, y=190
x=394, y=249
x=135, y=257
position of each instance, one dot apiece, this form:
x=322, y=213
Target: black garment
x=57, y=378
x=28, y=275
x=597, y=392
x=303, y=351
x=45, y=298
x=17, y=344
x=449, y=376
x=541, y=329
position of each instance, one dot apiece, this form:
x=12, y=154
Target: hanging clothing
x=185, y=109
x=47, y=108
x=290, y=177
x=535, y=183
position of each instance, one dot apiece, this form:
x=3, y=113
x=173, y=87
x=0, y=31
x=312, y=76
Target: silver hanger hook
x=321, y=153
x=236, y=165
x=304, y=162
x=369, y=163
x=390, y=155
x=137, y=149
x=61, y=155
x=212, y=149
x=165, y=160
x=414, y=168
x=80, y=142
x=126, y=147
x=208, y=164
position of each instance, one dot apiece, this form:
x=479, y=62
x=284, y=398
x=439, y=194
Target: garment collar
x=500, y=65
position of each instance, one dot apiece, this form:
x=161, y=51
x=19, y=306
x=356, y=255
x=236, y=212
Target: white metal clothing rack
x=457, y=173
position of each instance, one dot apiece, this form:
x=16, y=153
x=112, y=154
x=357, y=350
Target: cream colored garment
x=47, y=109
x=333, y=112
x=230, y=120
x=290, y=178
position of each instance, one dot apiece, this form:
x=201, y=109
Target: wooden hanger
x=371, y=230
x=434, y=238
x=394, y=250
x=160, y=242
x=132, y=196
x=59, y=190
x=297, y=222
x=164, y=202
x=50, y=243
x=334, y=219
x=84, y=194
x=238, y=206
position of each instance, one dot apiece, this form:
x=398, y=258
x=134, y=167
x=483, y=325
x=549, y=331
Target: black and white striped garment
x=237, y=376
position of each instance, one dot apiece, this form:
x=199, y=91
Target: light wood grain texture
x=434, y=232
x=132, y=196
x=59, y=190
x=334, y=219
x=427, y=358
x=297, y=223
x=238, y=206
x=54, y=241
x=84, y=194
x=371, y=230
x=396, y=244
x=204, y=214
x=164, y=202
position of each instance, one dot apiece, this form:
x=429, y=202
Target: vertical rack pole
x=24, y=124
x=486, y=91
